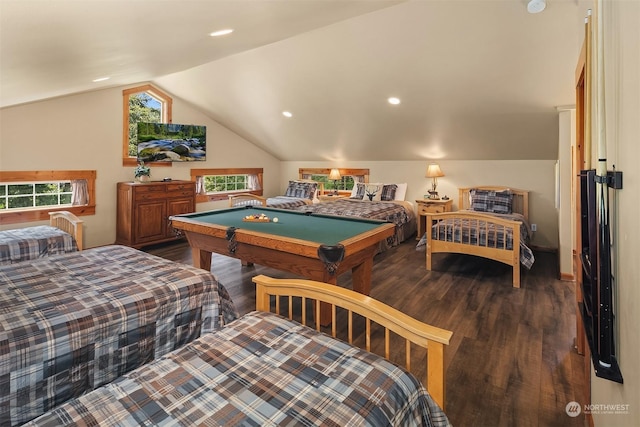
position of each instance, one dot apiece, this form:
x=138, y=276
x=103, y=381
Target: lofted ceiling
x=477, y=79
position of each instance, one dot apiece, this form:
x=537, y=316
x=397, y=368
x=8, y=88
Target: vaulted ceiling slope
x=476, y=79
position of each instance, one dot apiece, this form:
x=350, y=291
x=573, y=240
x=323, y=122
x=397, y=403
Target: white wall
x=622, y=59
x=537, y=176
x=84, y=131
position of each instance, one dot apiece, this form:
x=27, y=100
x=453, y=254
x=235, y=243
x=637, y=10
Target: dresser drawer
x=432, y=209
x=180, y=193
x=181, y=186
x=149, y=188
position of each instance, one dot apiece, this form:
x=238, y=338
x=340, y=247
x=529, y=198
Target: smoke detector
x=536, y=6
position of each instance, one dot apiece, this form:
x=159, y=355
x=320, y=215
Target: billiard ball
x=275, y=219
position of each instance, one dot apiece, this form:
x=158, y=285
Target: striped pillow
x=499, y=202
x=359, y=195
x=302, y=190
x=388, y=192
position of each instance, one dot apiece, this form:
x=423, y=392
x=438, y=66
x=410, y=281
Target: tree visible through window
x=218, y=184
x=141, y=104
x=31, y=195
x=349, y=177
x=344, y=183
x=142, y=108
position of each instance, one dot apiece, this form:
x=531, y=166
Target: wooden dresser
x=430, y=206
x=144, y=209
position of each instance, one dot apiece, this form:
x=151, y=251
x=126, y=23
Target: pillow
x=388, y=192
x=361, y=189
x=374, y=188
x=301, y=190
x=401, y=191
x=499, y=202
x=358, y=191
x=314, y=199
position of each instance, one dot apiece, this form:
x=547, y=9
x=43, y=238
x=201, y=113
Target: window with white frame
x=348, y=178
x=218, y=184
x=30, y=195
x=226, y=183
x=25, y=195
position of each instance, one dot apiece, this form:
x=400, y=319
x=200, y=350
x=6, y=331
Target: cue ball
x=275, y=219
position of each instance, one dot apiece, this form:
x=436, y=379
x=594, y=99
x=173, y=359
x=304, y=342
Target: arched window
x=141, y=104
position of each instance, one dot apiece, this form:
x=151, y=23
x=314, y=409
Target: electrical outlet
x=534, y=227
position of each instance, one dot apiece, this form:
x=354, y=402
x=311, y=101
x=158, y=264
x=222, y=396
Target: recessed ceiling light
x=100, y=79
x=393, y=100
x=221, y=32
x=536, y=6
x=287, y=114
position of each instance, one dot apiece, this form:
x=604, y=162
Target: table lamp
x=434, y=172
x=335, y=176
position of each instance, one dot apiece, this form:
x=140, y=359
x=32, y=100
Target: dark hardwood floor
x=511, y=361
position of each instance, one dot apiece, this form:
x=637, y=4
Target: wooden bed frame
x=428, y=337
x=69, y=223
x=498, y=253
x=246, y=199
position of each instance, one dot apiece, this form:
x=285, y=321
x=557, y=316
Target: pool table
x=317, y=247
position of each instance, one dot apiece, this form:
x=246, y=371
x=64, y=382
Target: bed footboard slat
x=429, y=338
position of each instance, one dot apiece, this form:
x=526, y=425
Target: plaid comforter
x=398, y=214
x=259, y=370
x=285, y=202
x=34, y=242
x=73, y=322
x=484, y=233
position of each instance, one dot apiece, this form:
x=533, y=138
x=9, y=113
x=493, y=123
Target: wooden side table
x=430, y=206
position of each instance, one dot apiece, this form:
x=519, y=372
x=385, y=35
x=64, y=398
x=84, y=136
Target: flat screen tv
x=170, y=142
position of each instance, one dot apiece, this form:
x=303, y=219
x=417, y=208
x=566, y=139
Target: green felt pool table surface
x=324, y=229
x=302, y=244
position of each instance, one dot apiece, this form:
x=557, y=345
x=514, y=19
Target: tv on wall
x=169, y=142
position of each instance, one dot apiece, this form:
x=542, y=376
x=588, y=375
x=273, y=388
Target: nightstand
x=430, y=206
x=330, y=197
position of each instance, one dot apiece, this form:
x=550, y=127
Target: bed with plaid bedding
x=285, y=202
x=479, y=232
x=30, y=243
x=259, y=370
x=399, y=213
x=70, y=323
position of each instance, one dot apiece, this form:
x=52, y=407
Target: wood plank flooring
x=511, y=361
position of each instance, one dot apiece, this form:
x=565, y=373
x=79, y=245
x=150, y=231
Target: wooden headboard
x=520, y=198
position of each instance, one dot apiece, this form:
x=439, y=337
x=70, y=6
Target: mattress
x=260, y=370
x=30, y=243
x=70, y=323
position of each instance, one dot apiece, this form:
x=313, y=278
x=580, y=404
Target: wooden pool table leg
x=361, y=280
x=201, y=258
x=361, y=276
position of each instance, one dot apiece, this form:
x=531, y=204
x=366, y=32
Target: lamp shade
x=433, y=171
x=334, y=174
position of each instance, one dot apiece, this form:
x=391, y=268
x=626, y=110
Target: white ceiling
x=478, y=79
